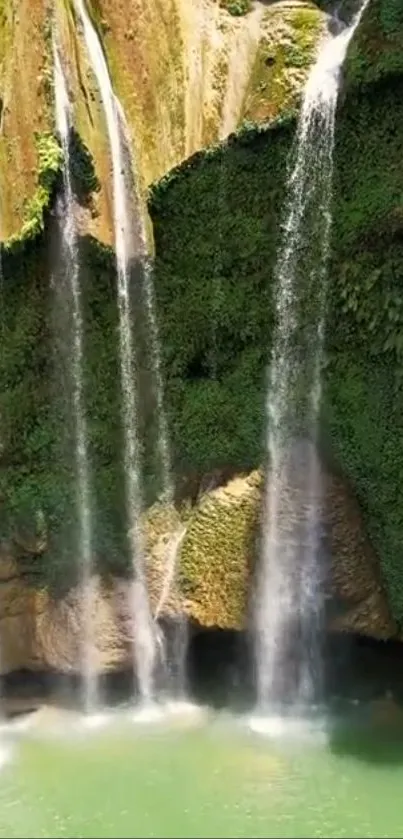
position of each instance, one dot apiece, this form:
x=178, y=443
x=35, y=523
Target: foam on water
x=164, y=712
x=293, y=726
x=149, y=712
x=95, y=721
x=5, y=754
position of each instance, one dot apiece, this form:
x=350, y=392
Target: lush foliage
x=215, y=226
x=236, y=7
x=213, y=292
x=37, y=463
x=364, y=405
x=38, y=481
x=377, y=50
x=49, y=166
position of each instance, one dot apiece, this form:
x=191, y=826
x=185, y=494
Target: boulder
x=220, y=549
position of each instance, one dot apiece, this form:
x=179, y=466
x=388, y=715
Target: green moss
x=50, y=159
x=285, y=53
x=236, y=7
x=217, y=554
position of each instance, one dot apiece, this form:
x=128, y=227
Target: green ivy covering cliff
x=364, y=396
x=215, y=228
x=216, y=223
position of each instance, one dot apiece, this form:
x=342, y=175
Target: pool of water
x=205, y=774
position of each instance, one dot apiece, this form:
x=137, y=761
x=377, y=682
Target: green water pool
x=205, y=777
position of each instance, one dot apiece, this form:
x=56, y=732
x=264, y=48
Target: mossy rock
x=217, y=553
x=286, y=51
x=220, y=556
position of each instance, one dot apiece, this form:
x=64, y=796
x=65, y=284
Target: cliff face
x=186, y=72
x=216, y=225
x=189, y=72
x=217, y=540
x=22, y=34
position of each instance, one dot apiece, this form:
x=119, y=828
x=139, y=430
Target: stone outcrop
x=221, y=546
x=186, y=71
x=217, y=540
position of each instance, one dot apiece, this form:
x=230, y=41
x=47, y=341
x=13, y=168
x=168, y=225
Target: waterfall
x=288, y=606
x=130, y=243
x=143, y=630
x=175, y=662
x=69, y=298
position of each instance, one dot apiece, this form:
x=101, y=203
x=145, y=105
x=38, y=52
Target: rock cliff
x=217, y=557
x=187, y=73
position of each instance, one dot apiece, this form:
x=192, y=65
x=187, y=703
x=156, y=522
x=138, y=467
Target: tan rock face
x=60, y=627
x=216, y=544
x=186, y=71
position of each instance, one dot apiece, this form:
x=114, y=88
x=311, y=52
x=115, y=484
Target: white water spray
x=143, y=629
x=175, y=665
x=72, y=296
x=289, y=598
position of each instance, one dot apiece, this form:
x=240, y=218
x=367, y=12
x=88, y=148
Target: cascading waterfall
x=288, y=609
x=174, y=661
x=175, y=669
x=69, y=297
x=130, y=243
x=143, y=630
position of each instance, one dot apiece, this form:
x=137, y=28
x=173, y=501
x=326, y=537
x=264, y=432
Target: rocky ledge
x=216, y=538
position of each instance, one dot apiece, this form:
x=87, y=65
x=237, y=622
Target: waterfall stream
x=288, y=609
x=130, y=243
x=68, y=296
x=143, y=630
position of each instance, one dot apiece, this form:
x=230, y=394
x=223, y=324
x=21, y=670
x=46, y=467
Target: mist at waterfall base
x=207, y=774
x=289, y=602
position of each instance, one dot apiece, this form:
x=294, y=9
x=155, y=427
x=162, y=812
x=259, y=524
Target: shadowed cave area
x=219, y=668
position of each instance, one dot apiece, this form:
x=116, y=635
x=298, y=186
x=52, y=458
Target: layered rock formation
x=216, y=563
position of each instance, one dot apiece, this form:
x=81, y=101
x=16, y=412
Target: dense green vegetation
x=236, y=7
x=49, y=167
x=212, y=286
x=37, y=467
x=37, y=477
x=216, y=223
x=364, y=404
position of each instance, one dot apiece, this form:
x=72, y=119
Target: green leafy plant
x=50, y=159
x=236, y=7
